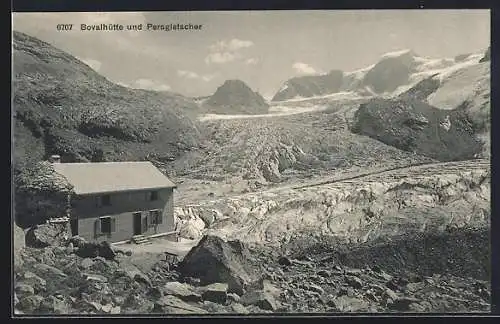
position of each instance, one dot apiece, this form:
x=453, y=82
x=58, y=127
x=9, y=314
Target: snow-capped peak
x=396, y=53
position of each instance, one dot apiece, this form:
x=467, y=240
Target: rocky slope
x=235, y=97
x=411, y=239
x=62, y=106
x=62, y=280
x=415, y=126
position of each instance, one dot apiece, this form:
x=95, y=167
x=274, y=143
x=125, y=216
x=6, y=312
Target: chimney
x=55, y=159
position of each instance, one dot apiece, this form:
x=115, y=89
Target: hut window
x=104, y=200
x=107, y=225
x=152, y=195
x=155, y=217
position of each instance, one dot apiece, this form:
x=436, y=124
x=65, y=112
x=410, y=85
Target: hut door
x=137, y=223
x=74, y=226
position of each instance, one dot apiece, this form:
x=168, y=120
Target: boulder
x=86, y=263
x=316, y=288
x=266, y=286
x=155, y=292
x=107, y=308
x=232, y=297
x=215, y=308
x=142, y=279
x=190, y=231
x=324, y=273
x=136, y=304
x=49, y=271
x=54, y=305
x=181, y=290
x=95, y=277
x=215, y=260
x=208, y=217
x=354, y=282
x=92, y=250
x=34, y=281
x=216, y=292
x=44, y=235
x=239, y=309
x=349, y=304
x=402, y=303
x=77, y=241
x=115, y=310
x=24, y=289
x=259, y=298
x=284, y=261
x=172, y=305
x=30, y=303
x=390, y=295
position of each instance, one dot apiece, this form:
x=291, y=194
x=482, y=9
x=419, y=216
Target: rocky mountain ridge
x=392, y=74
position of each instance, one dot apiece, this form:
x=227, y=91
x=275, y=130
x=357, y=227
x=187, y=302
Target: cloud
x=148, y=84
x=207, y=78
x=303, y=68
x=226, y=50
x=251, y=61
x=188, y=74
x=194, y=75
x=220, y=58
x=94, y=64
x=232, y=46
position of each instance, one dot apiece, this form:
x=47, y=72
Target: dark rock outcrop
x=415, y=126
x=90, y=250
x=213, y=260
x=40, y=193
x=487, y=56
x=173, y=305
x=48, y=234
x=261, y=299
x=422, y=89
x=235, y=97
x=182, y=291
x=310, y=85
x=19, y=244
x=390, y=73
x=216, y=292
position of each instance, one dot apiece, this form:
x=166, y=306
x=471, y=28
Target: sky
x=261, y=48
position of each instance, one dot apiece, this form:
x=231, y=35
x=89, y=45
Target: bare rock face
x=216, y=261
x=48, y=235
x=310, y=85
x=261, y=299
x=173, y=305
x=414, y=126
x=234, y=96
x=182, y=291
x=41, y=193
x=216, y=292
x=487, y=56
x=19, y=244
